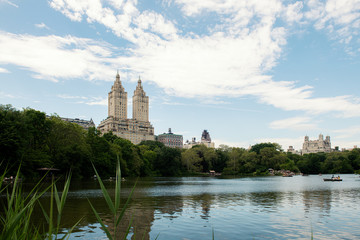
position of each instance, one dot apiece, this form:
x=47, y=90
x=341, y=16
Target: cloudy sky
x=248, y=71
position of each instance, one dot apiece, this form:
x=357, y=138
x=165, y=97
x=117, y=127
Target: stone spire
x=139, y=86
x=117, y=82
x=140, y=104
x=117, y=100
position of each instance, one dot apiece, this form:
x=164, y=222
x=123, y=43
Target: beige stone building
x=292, y=150
x=315, y=146
x=205, y=140
x=136, y=129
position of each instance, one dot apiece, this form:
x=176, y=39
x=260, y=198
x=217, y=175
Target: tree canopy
x=30, y=138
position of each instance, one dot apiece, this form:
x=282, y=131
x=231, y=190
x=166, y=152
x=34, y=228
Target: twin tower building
x=136, y=129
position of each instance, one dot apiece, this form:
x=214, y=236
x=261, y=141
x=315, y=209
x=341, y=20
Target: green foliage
x=311, y=163
x=257, y=147
x=15, y=220
x=34, y=140
x=169, y=162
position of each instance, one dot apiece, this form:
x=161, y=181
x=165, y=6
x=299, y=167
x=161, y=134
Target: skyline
x=247, y=71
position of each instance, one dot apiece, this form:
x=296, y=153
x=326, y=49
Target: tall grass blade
x=50, y=231
x=72, y=229
x=47, y=218
x=128, y=229
x=105, y=193
x=125, y=205
x=101, y=222
x=2, y=177
x=60, y=202
x=16, y=221
x=113, y=206
x=117, y=184
x=14, y=190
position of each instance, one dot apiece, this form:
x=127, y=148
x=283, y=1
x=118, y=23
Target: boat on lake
x=333, y=179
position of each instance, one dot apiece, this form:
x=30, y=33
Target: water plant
x=54, y=228
x=15, y=222
x=16, y=219
x=114, y=206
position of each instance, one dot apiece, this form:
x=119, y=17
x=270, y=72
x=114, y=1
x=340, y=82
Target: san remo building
x=136, y=129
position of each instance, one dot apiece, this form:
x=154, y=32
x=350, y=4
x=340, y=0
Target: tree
x=103, y=154
x=10, y=137
x=169, y=162
x=234, y=159
x=34, y=152
x=68, y=148
x=191, y=160
x=354, y=158
x=257, y=147
x=311, y=163
x=251, y=161
x=221, y=160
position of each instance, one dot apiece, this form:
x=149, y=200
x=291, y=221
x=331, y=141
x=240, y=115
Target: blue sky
x=247, y=71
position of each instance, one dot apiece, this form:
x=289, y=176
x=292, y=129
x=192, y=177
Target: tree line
x=31, y=139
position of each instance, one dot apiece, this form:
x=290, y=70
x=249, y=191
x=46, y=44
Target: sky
x=247, y=71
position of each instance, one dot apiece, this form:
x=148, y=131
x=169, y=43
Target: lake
x=234, y=208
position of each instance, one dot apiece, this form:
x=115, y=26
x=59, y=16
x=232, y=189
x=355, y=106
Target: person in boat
x=333, y=177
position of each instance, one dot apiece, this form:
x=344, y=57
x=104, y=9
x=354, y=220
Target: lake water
x=238, y=208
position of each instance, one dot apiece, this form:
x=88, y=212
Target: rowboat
x=333, y=179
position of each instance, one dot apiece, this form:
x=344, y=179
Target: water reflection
x=254, y=208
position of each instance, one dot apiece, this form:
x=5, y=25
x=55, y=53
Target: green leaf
x=128, y=229
x=117, y=184
x=105, y=193
x=101, y=222
x=126, y=204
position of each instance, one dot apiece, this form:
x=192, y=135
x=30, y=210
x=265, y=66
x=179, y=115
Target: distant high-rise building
x=293, y=151
x=171, y=140
x=205, y=140
x=315, y=146
x=136, y=129
x=86, y=124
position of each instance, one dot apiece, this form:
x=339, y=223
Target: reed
x=113, y=205
x=15, y=222
x=16, y=219
x=54, y=227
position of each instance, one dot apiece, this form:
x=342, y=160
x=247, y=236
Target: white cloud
x=125, y=21
x=293, y=12
x=98, y=101
x=41, y=25
x=295, y=123
x=347, y=133
x=240, y=8
x=6, y=95
x=85, y=100
x=233, y=62
x=341, y=18
x=53, y=57
x=9, y=2
x=209, y=66
x=66, y=96
x=3, y=70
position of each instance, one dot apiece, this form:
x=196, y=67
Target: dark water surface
x=238, y=208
